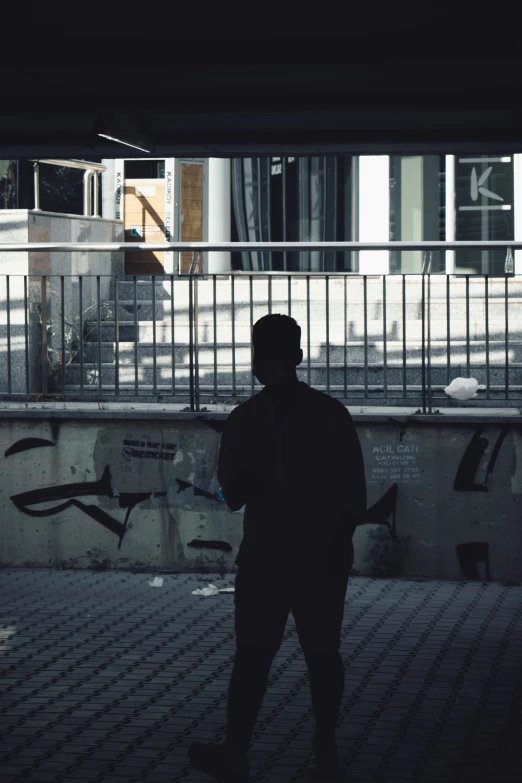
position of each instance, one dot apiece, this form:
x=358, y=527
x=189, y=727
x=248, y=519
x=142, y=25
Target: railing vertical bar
x=404, y=391
x=262, y=253
x=62, y=318
x=43, y=299
x=233, y=303
x=136, y=334
x=327, y=334
x=506, y=306
x=283, y=176
x=423, y=344
x=448, y=329
x=345, y=319
x=289, y=296
x=467, y=328
x=486, y=303
x=80, y=296
x=26, y=337
x=384, y=341
x=429, y=343
x=365, y=315
x=196, y=332
x=309, y=371
x=117, y=333
x=172, y=340
x=214, y=315
x=98, y=313
x=8, y=305
x=270, y=295
x=251, y=286
x=154, y=357
x=191, y=342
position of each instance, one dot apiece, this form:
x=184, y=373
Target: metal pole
x=45, y=374
x=82, y=338
x=450, y=212
x=96, y=189
x=8, y=306
x=36, y=177
x=196, y=334
x=117, y=334
x=87, y=193
x=191, y=340
x=423, y=346
x=26, y=336
x=429, y=343
x=247, y=247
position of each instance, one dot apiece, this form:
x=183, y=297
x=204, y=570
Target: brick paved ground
x=104, y=678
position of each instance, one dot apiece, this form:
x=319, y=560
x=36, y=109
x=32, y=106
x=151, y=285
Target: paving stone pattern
x=103, y=678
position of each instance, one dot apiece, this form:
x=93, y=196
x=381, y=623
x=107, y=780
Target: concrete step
x=355, y=330
x=355, y=374
x=146, y=310
x=317, y=289
x=355, y=352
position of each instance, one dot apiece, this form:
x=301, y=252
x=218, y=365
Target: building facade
x=313, y=199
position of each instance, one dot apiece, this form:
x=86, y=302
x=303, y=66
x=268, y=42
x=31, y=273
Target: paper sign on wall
x=145, y=191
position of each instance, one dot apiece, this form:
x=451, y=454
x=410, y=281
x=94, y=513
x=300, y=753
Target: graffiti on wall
x=471, y=553
x=128, y=461
x=105, y=488
x=470, y=461
x=477, y=471
x=148, y=468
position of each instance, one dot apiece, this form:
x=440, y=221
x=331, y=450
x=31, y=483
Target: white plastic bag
x=463, y=388
x=210, y=590
x=156, y=582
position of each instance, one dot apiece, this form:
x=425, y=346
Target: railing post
x=430, y=409
x=191, y=337
x=8, y=312
x=45, y=372
x=196, y=335
x=423, y=346
x=36, y=176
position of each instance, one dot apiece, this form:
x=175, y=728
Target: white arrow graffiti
x=476, y=185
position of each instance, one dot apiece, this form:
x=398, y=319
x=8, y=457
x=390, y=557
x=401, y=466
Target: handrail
x=252, y=246
x=72, y=164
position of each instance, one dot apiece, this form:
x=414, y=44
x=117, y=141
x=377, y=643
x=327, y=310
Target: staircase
x=151, y=334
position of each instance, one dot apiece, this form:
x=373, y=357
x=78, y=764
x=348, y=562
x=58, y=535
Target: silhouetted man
x=291, y=456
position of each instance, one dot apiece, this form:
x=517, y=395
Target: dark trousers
x=263, y=600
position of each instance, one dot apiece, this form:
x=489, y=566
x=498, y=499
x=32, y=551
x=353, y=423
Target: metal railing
x=368, y=340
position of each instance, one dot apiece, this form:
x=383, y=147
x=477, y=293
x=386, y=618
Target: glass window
x=144, y=169
x=8, y=184
x=293, y=200
x=484, y=201
x=417, y=211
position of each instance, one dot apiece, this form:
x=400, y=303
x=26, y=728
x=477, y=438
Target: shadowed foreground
x=104, y=678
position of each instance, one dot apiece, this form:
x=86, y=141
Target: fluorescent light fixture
x=127, y=143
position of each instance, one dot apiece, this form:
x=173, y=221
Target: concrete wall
x=130, y=493
x=38, y=226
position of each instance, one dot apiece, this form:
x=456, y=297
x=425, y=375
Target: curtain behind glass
x=318, y=201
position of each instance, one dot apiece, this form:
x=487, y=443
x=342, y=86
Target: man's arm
x=348, y=477
x=231, y=472
x=356, y=469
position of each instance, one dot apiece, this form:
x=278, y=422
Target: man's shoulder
x=246, y=409
x=324, y=402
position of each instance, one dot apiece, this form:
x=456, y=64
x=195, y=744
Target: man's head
x=277, y=349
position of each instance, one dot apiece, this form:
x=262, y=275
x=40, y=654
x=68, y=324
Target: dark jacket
x=303, y=479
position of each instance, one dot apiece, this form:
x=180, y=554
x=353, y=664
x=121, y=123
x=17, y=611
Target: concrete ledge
x=176, y=412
